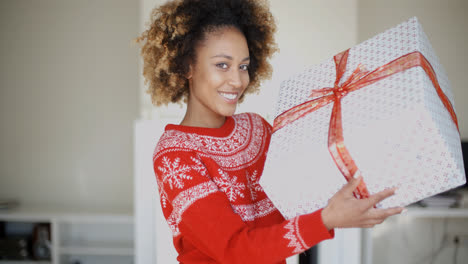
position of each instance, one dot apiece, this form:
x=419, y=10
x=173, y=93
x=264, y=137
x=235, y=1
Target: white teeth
x=229, y=96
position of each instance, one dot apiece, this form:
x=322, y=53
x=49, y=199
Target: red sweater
x=211, y=198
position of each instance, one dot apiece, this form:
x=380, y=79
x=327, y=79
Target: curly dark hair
x=168, y=45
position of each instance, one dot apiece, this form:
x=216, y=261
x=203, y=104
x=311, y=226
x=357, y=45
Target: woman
x=210, y=53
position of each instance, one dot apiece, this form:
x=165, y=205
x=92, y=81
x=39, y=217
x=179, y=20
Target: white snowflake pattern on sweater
x=199, y=167
x=174, y=173
x=229, y=185
x=254, y=185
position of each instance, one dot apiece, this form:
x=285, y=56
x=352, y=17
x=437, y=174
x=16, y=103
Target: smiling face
x=217, y=78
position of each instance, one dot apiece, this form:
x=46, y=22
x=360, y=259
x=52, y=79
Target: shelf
x=24, y=262
x=95, y=234
x=94, y=248
x=97, y=251
x=44, y=214
x=436, y=212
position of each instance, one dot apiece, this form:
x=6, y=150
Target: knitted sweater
x=208, y=181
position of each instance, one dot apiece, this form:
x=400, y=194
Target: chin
x=228, y=112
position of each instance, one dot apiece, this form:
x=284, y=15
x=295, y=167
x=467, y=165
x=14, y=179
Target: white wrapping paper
x=397, y=130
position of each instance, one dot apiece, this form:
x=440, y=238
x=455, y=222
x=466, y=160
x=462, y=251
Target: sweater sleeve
x=195, y=207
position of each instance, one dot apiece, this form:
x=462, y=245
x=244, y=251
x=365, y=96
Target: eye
x=222, y=65
x=244, y=67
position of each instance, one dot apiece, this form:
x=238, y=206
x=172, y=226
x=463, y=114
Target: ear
x=189, y=72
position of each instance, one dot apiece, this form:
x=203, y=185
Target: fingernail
x=404, y=211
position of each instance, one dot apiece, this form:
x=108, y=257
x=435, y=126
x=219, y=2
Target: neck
x=202, y=120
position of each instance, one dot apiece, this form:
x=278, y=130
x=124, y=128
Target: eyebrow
x=228, y=57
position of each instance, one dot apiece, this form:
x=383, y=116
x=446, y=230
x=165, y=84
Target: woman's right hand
x=345, y=210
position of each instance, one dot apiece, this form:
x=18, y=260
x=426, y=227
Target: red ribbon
x=358, y=79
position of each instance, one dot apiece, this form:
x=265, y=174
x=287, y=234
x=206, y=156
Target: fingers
x=352, y=184
x=384, y=213
x=380, y=196
x=378, y=216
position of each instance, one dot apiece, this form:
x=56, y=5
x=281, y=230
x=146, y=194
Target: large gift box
x=382, y=109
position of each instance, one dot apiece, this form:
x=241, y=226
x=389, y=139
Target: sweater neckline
x=222, y=131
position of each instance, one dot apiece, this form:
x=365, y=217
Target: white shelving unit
x=80, y=234
x=434, y=212
x=23, y=262
x=413, y=212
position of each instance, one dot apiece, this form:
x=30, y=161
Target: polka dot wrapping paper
x=397, y=130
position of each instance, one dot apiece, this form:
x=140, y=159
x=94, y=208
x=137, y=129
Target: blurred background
x=71, y=92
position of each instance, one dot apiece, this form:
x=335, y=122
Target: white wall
x=68, y=98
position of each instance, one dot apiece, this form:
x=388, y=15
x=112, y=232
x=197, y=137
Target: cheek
x=245, y=80
x=212, y=77
x=206, y=78
x=217, y=78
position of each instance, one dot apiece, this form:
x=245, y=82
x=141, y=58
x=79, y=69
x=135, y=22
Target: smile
x=229, y=96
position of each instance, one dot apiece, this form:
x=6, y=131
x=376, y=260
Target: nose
x=235, y=79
